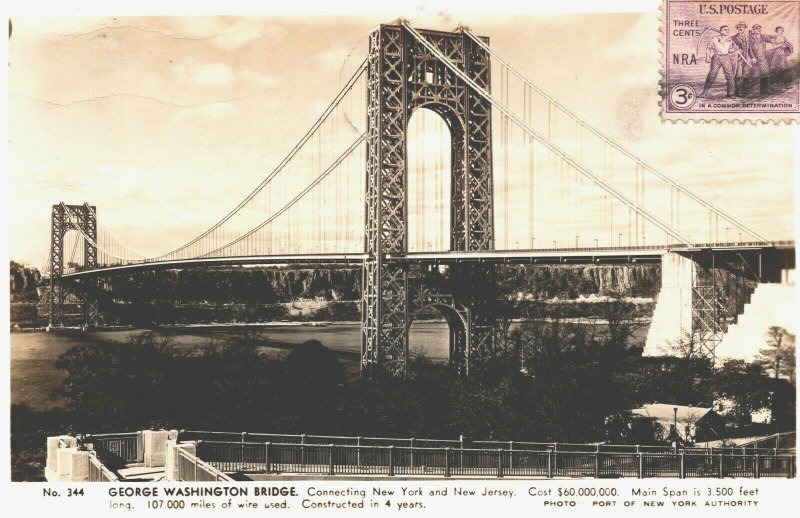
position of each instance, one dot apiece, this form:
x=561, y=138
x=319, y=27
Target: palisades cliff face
x=254, y=294
x=24, y=283
x=576, y=281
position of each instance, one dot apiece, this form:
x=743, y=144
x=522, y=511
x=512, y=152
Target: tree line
x=547, y=381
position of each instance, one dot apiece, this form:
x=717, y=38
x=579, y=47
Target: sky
x=166, y=123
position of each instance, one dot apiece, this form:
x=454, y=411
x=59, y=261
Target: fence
x=116, y=449
x=98, y=472
x=345, y=459
x=192, y=469
x=462, y=443
x=194, y=435
x=784, y=440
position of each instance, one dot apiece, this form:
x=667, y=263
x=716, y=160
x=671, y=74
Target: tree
x=505, y=311
x=779, y=354
x=571, y=379
x=745, y=385
x=696, y=367
x=625, y=428
x=113, y=386
x=313, y=381
x=233, y=385
x=686, y=347
x=621, y=320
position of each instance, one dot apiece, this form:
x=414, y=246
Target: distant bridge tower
x=402, y=77
x=64, y=218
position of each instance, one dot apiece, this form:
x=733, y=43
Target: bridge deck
x=649, y=254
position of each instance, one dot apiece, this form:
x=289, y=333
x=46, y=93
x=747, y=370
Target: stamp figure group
x=752, y=62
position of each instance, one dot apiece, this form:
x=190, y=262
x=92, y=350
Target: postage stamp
x=731, y=60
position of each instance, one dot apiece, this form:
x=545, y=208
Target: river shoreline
x=249, y=326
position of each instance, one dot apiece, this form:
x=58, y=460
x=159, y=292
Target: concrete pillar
x=170, y=459
x=79, y=467
x=672, y=316
x=52, y=447
x=171, y=456
x=139, y=446
x=155, y=448
x=188, y=447
x=57, y=463
x=52, y=452
x=171, y=463
x=64, y=463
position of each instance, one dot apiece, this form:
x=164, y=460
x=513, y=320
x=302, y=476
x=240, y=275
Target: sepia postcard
x=380, y=258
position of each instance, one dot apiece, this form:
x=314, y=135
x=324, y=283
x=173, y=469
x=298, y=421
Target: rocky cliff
x=245, y=294
x=574, y=281
x=244, y=285
x=23, y=283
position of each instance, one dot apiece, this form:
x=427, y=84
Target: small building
x=693, y=423
x=725, y=407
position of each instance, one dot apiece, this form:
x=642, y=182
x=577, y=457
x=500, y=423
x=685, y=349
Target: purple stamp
x=731, y=60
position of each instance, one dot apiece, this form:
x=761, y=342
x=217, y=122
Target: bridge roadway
x=601, y=255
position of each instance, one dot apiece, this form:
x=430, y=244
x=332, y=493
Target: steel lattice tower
x=64, y=218
x=403, y=76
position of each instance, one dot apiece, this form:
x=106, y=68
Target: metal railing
x=626, y=448
x=778, y=441
x=116, y=449
x=98, y=472
x=344, y=459
x=632, y=247
x=463, y=443
x=192, y=469
x=343, y=440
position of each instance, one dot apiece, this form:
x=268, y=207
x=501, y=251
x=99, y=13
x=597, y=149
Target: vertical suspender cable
x=504, y=145
x=531, y=190
x=419, y=180
x=644, y=221
x=441, y=176
x=705, y=204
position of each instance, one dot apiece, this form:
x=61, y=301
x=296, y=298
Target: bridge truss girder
x=402, y=76
x=724, y=282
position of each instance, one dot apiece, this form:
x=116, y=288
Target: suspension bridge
x=368, y=187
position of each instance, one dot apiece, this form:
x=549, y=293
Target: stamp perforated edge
x=717, y=118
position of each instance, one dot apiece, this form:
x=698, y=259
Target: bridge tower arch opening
x=74, y=252
x=424, y=338
x=433, y=148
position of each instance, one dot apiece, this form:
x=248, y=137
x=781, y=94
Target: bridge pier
x=703, y=292
x=79, y=293
x=465, y=297
x=672, y=315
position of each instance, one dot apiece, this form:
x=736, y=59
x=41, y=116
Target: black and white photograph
x=413, y=244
